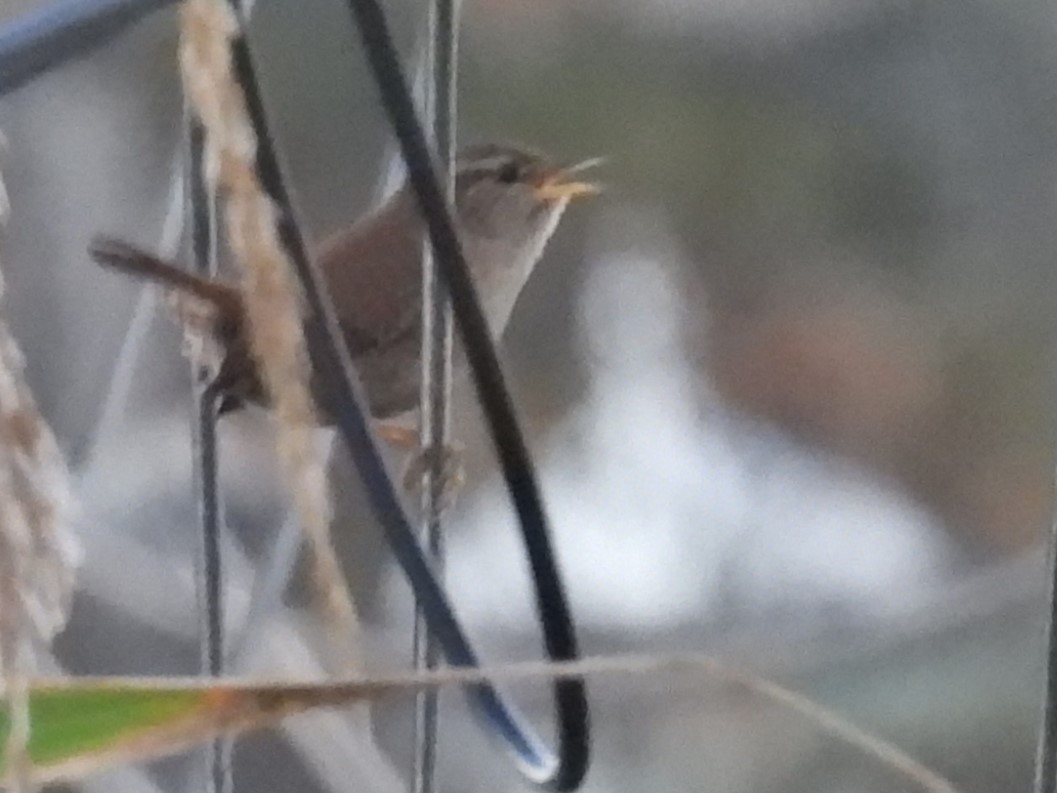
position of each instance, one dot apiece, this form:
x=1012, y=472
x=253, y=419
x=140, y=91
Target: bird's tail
x=129, y=260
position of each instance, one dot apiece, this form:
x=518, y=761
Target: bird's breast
x=500, y=268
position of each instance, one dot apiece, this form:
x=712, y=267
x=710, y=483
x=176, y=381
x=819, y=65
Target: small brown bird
x=508, y=202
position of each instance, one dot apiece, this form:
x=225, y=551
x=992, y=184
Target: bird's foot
x=422, y=462
x=452, y=473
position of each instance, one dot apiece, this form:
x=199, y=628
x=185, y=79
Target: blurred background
x=789, y=381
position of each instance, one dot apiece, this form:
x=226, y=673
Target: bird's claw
x=452, y=473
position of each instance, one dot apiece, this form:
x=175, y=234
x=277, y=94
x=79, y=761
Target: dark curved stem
x=559, y=635
x=39, y=41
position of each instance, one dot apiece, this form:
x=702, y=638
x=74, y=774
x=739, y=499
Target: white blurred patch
x=667, y=508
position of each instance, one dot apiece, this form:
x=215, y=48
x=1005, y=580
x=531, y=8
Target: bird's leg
x=399, y=436
x=453, y=475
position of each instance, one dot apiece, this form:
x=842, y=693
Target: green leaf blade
x=77, y=722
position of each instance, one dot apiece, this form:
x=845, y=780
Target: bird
x=508, y=201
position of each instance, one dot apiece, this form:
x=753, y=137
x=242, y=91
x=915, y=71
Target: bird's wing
x=374, y=273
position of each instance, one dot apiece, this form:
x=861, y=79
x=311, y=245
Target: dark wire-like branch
x=203, y=224
x=202, y=233
x=39, y=41
x=437, y=338
x=559, y=635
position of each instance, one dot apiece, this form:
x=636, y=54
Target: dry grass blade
x=197, y=711
x=272, y=303
x=37, y=552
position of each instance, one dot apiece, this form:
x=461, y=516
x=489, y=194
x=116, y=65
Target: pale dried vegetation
x=271, y=294
x=38, y=552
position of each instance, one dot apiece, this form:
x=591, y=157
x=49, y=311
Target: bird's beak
x=559, y=185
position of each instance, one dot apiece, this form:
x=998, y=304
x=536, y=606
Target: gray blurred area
x=788, y=381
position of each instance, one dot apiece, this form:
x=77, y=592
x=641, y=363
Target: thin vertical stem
x=437, y=336
x=202, y=210
x=1046, y=757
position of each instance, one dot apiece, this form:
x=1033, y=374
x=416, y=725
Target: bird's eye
x=509, y=173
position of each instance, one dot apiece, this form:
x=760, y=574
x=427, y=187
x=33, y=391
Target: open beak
x=559, y=184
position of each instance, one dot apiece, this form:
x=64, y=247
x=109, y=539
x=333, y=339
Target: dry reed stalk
x=271, y=292
x=38, y=553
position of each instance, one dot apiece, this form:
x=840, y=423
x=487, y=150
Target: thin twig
x=202, y=215
x=435, y=401
x=247, y=704
x=1046, y=753
x=202, y=211
x=825, y=720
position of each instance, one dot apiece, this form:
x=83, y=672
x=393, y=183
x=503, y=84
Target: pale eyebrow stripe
x=484, y=166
